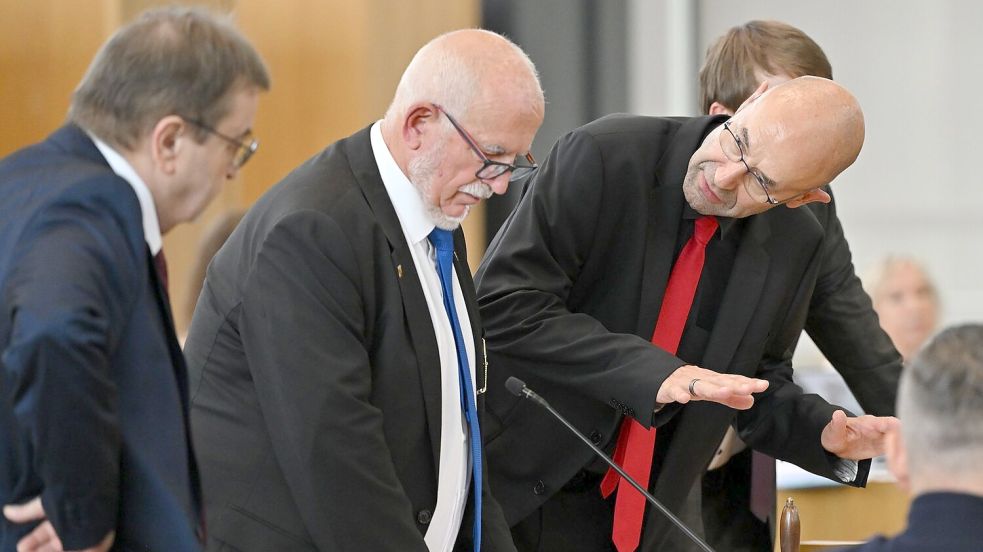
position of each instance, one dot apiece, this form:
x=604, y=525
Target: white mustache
x=478, y=189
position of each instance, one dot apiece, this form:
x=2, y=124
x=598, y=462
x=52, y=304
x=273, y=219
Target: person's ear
x=811, y=196
x=418, y=121
x=762, y=88
x=717, y=108
x=167, y=139
x=897, y=458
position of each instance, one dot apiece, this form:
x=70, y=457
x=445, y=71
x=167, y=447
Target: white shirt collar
x=122, y=167
x=404, y=196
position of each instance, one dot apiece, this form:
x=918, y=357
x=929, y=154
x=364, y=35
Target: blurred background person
x=906, y=301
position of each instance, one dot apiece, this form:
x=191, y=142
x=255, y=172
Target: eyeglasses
x=244, y=148
x=762, y=188
x=492, y=169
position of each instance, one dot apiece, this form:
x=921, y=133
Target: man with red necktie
x=647, y=267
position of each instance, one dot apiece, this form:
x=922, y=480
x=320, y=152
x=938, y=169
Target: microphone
x=518, y=388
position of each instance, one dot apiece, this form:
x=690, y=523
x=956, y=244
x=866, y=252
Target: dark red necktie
x=161, y=264
x=636, y=445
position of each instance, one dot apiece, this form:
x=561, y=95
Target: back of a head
x=940, y=404
x=728, y=72
x=169, y=61
x=461, y=69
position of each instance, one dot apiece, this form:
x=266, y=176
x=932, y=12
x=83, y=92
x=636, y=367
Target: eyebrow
x=490, y=149
x=746, y=138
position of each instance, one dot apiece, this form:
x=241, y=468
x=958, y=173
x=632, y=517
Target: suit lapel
x=661, y=230
x=358, y=148
x=741, y=296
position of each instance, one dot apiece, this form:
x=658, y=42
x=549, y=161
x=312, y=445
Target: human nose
x=499, y=184
x=729, y=175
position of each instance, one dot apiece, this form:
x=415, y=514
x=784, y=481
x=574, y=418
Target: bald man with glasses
x=337, y=367
x=656, y=274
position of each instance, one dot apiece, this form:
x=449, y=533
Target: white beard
x=422, y=170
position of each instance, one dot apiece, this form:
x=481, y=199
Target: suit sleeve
x=844, y=326
x=527, y=277
x=68, y=294
x=788, y=424
x=303, y=327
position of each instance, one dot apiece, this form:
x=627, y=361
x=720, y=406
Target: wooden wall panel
x=334, y=64
x=45, y=48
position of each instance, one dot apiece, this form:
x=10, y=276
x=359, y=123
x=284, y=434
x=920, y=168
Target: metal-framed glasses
x=760, y=191
x=493, y=169
x=245, y=148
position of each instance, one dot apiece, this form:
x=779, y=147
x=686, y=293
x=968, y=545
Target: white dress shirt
x=122, y=167
x=454, y=471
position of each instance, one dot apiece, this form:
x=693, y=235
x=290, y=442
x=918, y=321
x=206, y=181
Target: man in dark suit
x=937, y=452
x=739, y=488
x=573, y=284
x=333, y=393
x=95, y=450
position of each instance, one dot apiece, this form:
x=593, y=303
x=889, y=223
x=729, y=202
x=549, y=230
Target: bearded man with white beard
x=336, y=360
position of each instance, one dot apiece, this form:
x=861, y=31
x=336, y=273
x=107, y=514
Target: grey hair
x=169, y=61
x=940, y=403
x=454, y=79
x=875, y=275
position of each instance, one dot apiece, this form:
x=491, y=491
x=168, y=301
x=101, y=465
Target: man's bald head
x=467, y=99
x=823, y=115
x=795, y=138
x=467, y=69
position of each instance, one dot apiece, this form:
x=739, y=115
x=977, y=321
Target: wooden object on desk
x=789, y=528
x=847, y=513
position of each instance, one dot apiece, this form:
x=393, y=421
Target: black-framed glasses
x=492, y=169
x=245, y=148
x=762, y=188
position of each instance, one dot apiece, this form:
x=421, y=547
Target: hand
x=727, y=389
x=43, y=538
x=857, y=438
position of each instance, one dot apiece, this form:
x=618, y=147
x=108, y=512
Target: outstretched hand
x=692, y=383
x=857, y=438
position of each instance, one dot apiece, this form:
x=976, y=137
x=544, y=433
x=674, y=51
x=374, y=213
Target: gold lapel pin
x=399, y=271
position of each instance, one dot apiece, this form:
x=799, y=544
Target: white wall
x=917, y=69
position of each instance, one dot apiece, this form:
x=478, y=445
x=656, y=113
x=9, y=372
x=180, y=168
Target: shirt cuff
x=846, y=470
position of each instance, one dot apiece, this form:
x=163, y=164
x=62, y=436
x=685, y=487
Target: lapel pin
x=399, y=271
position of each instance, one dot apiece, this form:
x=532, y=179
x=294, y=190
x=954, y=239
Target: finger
x=22, y=513
x=42, y=539
x=728, y=396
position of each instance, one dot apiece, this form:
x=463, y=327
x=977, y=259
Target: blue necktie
x=443, y=242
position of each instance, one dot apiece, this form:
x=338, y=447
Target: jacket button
x=595, y=437
x=539, y=488
x=423, y=517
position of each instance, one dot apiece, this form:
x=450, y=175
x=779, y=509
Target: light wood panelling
x=334, y=64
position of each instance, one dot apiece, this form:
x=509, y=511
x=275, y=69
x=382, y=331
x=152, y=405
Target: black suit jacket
x=570, y=290
x=843, y=324
x=937, y=522
x=93, y=411
x=315, y=371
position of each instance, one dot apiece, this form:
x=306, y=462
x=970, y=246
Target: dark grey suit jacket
x=570, y=291
x=315, y=372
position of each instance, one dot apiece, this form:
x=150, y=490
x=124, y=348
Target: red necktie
x=161, y=264
x=636, y=445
